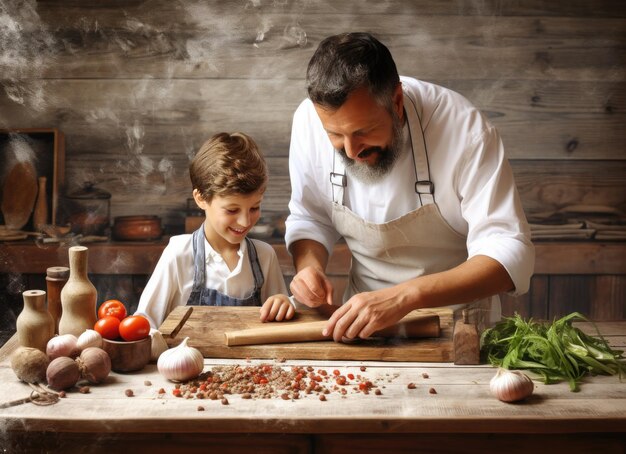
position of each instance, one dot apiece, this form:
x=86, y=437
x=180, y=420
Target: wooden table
x=461, y=417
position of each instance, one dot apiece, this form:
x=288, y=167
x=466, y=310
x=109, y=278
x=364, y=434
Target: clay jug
x=40, y=214
x=78, y=296
x=56, y=277
x=34, y=325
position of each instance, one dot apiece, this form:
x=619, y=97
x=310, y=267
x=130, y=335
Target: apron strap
x=338, y=180
x=199, y=265
x=424, y=187
x=254, y=264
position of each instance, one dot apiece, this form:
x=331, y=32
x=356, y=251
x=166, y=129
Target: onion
x=62, y=373
x=64, y=345
x=94, y=364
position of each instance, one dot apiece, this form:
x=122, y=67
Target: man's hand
x=277, y=308
x=365, y=313
x=311, y=287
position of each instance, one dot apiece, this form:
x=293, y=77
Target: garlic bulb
x=63, y=345
x=181, y=363
x=90, y=338
x=511, y=385
x=158, y=345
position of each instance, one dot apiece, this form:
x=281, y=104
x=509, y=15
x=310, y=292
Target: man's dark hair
x=346, y=62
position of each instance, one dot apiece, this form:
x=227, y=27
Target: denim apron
x=418, y=243
x=202, y=296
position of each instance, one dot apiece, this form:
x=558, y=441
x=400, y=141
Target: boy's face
x=229, y=218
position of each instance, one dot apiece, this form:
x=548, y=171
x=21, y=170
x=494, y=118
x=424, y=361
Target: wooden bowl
x=128, y=356
x=137, y=228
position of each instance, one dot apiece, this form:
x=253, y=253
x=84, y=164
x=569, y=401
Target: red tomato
x=134, y=327
x=108, y=327
x=112, y=307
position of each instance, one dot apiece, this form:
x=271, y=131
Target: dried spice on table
x=266, y=381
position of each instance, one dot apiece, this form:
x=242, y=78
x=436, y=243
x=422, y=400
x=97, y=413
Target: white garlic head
x=511, y=385
x=90, y=338
x=181, y=363
x=158, y=345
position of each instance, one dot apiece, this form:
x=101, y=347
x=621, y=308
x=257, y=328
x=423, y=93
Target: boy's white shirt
x=172, y=280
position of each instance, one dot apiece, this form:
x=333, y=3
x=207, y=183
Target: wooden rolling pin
x=422, y=324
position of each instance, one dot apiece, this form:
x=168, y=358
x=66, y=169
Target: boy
x=217, y=265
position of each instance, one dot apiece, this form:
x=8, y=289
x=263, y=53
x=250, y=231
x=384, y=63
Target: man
x=414, y=178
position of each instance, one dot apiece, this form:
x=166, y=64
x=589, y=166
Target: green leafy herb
x=557, y=351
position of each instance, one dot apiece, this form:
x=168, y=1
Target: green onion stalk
x=556, y=351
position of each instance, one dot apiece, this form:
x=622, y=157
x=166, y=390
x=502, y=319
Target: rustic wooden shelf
x=558, y=257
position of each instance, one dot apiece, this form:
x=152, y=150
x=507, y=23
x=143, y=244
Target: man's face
x=366, y=135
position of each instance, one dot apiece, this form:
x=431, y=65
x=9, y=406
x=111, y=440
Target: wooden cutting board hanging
x=19, y=192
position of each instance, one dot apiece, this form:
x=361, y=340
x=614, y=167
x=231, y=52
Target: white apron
x=418, y=243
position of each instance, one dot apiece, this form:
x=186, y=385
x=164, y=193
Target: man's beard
x=387, y=156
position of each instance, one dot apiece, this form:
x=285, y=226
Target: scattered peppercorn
x=161, y=391
x=62, y=394
x=224, y=401
x=147, y=383
x=432, y=391
x=424, y=375
x=363, y=368
x=378, y=392
x=200, y=408
x=84, y=390
x=411, y=385
x=129, y=393
x=322, y=397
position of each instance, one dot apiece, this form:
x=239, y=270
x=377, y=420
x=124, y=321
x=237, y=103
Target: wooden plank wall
x=137, y=86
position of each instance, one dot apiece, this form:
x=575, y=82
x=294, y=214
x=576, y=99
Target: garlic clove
x=511, y=385
x=159, y=345
x=181, y=363
x=90, y=338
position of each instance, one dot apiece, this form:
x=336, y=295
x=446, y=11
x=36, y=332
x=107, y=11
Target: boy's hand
x=277, y=308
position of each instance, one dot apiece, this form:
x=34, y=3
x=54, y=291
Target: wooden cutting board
x=19, y=192
x=206, y=327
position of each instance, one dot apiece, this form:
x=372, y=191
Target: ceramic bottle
x=56, y=277
x=78, y=296
x=40, y=213
x=34, y=325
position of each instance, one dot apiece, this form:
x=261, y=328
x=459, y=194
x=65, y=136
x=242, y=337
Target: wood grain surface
x=463, y=403
x=137, y=87
x=206, y=327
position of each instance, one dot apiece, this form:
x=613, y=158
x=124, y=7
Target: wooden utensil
x=181, y=323
x=18, y=195
x=412, y=326
x=466, y=342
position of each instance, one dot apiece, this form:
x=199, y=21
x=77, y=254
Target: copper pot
x=137, y=228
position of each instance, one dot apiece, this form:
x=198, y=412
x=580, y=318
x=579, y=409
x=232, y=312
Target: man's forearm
x=477, y=278
x=309, y=253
